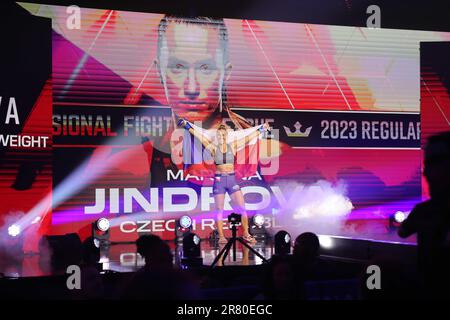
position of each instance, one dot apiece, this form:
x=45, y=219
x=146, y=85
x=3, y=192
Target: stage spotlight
x=399, y=216
x=100, y=231
x=257, y=228
x=191, y=250
x=182, y=228
x=14, y=230
x=258, y=220
x=196, y=240
x=103, y=224
x=185, y=222
x=14, y=243
x=396, y=219
x=326, y=242
x=282, y=243
x=191, y=246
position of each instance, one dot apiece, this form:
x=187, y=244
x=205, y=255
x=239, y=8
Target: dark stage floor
x=124, y=258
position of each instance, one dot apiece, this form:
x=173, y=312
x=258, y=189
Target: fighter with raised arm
x=223, y=151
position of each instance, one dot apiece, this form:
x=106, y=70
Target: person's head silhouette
x=306, y=246
x=155, y=251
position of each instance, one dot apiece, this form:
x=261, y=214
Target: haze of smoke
x=321, y=207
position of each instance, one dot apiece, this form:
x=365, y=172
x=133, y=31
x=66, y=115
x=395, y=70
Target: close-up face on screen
x=142, y=142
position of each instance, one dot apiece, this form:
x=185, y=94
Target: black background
x=398, y=14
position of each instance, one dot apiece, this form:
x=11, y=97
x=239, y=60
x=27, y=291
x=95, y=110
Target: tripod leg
x=252, y=249
x=234, y=251
x=232, y=243
x=224, y=250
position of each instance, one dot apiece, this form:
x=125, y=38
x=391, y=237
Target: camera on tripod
x=234, y=218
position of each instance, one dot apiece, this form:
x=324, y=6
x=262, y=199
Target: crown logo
x=297, y=132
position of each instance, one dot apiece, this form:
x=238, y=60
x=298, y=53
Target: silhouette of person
x=279, y=280
x=155, y=251
x=307, y=260
x=430, y=220
x=158, y=280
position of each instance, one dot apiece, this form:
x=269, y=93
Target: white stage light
x=103, y=224
x=196, y=239
x=287, y=238
x=326, y=242
x=399, y=216
x=14, y=230
x=185, y=222
x=258, y=220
